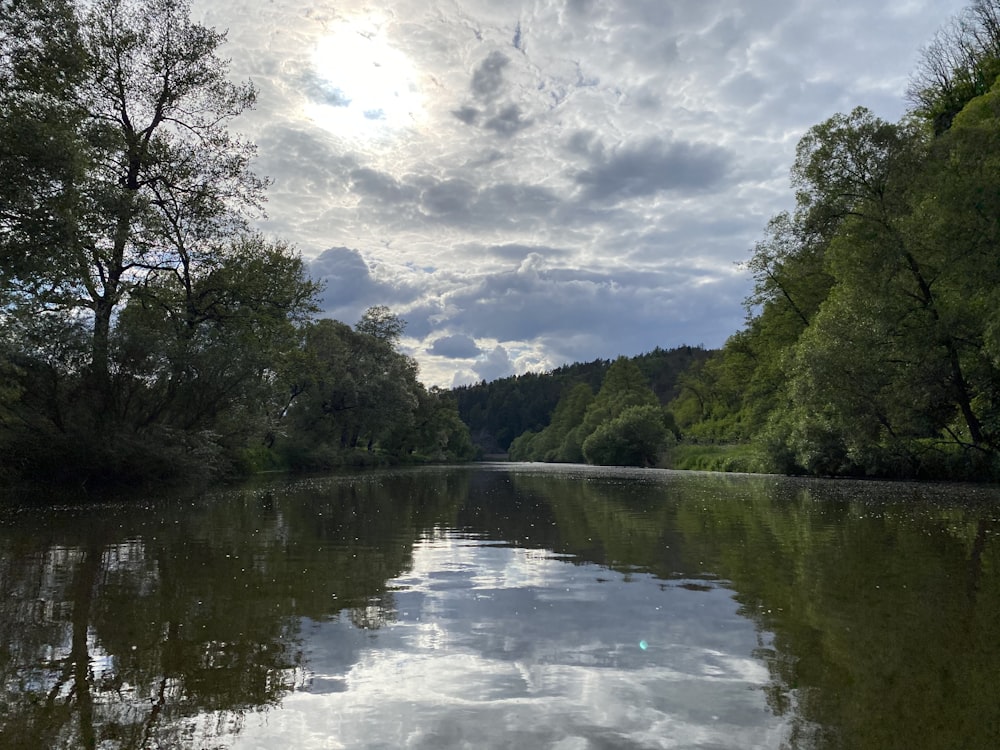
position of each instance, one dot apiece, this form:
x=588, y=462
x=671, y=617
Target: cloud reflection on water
x=492, y=646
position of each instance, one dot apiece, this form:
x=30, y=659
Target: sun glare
x=363, y=87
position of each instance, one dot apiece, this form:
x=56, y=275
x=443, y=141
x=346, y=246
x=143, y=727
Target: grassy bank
x=716, y=457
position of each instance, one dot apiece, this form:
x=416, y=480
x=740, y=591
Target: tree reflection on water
x=168, y=623
x=121, y=625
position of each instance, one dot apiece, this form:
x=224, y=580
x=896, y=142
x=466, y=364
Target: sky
x=530, y=184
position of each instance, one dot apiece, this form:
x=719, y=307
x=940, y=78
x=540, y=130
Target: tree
x=382, y=323
x=557, y=442
x=636, y=437
x=437, y=432
x=872, y=343
x=961, y=63
x=143, y=319
x=151, y=182
x=893, y=369
x=353, y=397
x=207, y=358
x=623, y=386
x=897, y=249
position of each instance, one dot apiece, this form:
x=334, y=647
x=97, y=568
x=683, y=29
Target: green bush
x=735, y=457
x=636, y=437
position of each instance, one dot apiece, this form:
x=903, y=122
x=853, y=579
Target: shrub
x=634, y=438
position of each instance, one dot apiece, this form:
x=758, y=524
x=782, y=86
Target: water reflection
x=123, y=625
x=507, y=607
x=497, y=646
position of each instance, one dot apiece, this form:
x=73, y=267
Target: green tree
x=139, y=311
x=558, y=441
x=207, y=358
x=353, y=397
x=623, y=386
x=382, y=323
x=437, y=432
x=961, y=63
x=899, y=323
x=636, y=437
x=159, y=182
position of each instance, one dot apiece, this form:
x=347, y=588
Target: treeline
x=531, y=415
x=872, y=345
x=146, y=331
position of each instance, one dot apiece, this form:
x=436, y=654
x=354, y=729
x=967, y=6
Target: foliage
x=622, y=425
x=146, y=333
x=504, y=410
x=736, y=457
x=961, y=63
x=354, y=399
x=636, y=437
x=382, y=323
x=871, y=343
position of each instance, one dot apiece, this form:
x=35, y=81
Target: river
x=505, y=606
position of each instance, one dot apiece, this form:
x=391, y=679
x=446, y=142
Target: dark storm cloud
x=653, y=167
x=458, y=346
x=532, y=302
x=344, y=274
x=487, y=80
x=448, y=197
x=577, y=315
x=494, y=364
x=504, y=118
x=457, y=201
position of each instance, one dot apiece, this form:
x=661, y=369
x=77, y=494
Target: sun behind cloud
x=360, y=86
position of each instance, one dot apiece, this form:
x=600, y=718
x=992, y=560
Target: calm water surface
x=498, y=606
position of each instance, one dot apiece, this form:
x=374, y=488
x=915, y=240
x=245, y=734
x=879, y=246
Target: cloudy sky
x=530, y=184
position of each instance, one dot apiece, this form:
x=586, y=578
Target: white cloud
x=637, y=149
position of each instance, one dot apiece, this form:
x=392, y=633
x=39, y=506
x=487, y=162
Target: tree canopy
x=871, y=343
x=146, y=330
x=624, y=424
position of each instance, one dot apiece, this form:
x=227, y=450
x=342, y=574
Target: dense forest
x=146, y=331
x=872, y=344
x=522, y=406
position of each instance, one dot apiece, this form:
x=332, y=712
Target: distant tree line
x=549, y=416
x=145, y=330
x=872, y=345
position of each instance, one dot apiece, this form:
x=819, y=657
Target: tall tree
x=623, y=386
x=149, y=181
x=961, y=63
x=354, y=397
x=141, y=316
